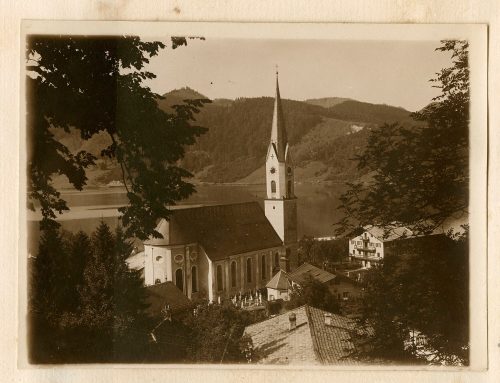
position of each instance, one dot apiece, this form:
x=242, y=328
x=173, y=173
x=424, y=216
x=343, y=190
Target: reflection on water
x=316, y=206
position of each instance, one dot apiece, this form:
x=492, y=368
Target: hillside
x=324, y=134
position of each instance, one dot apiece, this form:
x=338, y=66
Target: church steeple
x=281, y=203
x=278, y=130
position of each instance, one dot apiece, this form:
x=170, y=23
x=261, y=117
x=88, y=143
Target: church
x=216, y=252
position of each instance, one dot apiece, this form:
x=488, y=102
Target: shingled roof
x=306, y=270
x=222, y=230
x=311, y=342
x=279, y=281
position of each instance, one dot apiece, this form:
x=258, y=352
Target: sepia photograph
x=268, y=197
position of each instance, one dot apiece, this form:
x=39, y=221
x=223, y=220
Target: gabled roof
x=311, y=342
x=222, y=230
x=389, y=233
x=166, y=293
x=279, y=281
x=306, y=270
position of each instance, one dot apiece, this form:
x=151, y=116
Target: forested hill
x=325, y=134
x=323, y=139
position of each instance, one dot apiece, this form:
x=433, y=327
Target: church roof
x=222, y=230
x=278, y=132
x=301, y=273
x=279, y=281
x=311, y=342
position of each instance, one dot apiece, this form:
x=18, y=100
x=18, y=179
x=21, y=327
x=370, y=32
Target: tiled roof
x=332, y=344
x=222, y=230
x=166, y=293
x=274, y=343
x=311, y=342
x=301, y=273
x=279, y=281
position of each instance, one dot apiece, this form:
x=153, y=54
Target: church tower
x=281, y=203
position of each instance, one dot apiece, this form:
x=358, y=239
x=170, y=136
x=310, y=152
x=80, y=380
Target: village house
x=368, y=247
x=218, y=251
x=282, y=284
x=306, y=336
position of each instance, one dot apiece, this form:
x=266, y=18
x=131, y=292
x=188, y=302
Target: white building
x=368, y=247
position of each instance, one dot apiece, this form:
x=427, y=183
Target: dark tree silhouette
x=313, y=293
x=424, y=288
x=93, y=85
x=85, y=304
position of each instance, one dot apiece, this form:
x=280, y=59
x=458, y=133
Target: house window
x=157, y=281
x=194, y=279
x=179, y=281
x=345, y=295
x=263, y=267
x=249, y=270
x=273, y=186
x=220, y=287
x=233, y=274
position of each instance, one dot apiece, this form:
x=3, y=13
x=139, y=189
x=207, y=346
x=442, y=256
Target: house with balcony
x=368, y=247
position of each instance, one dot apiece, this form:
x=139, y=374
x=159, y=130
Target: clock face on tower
x=273, y=170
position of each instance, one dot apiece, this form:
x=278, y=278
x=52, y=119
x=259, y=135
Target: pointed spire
x=278, y=131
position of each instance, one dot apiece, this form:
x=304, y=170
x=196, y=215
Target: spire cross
x=276, y=70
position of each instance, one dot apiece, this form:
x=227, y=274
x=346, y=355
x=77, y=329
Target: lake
x=316, y=206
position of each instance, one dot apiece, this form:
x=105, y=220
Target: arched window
x=289, y=188
x=194, y=279
x=157, y=281
x=179, y=282
x=220, y=287
x=249, y=270
x=263, y=266
x=233, y=274
x=273, y=186
x=276, y=260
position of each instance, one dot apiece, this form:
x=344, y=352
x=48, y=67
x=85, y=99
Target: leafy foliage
x=321, y=253
x=313, y=293
x=216, y=333
x=94, y=85
x=420, y=174
x=425, y=288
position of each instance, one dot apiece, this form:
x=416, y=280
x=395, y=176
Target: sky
x=382, y=72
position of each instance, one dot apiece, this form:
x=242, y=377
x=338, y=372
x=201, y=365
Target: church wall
x=274, y=213
x=156, y=264
x=242, y=285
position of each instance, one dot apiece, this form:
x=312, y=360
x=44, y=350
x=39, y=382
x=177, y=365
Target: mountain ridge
x=323, y=139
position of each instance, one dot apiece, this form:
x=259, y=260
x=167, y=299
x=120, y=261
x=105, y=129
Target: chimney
x=293, y=321
x=328, y=319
